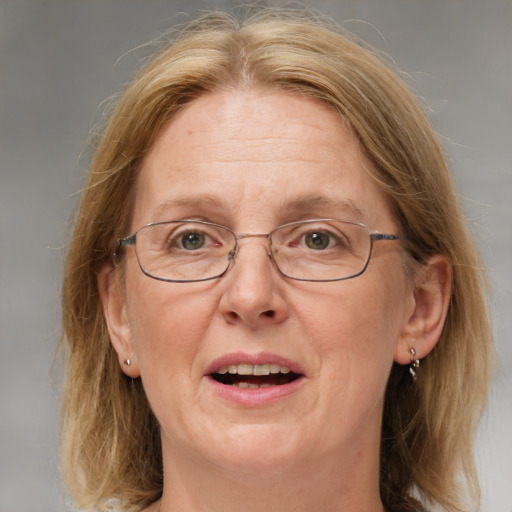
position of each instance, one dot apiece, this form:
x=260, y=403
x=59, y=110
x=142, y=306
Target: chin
x=255, y=448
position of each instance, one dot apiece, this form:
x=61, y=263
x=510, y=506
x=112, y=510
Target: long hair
x=110, y=438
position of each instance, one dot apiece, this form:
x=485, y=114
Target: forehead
x=261, y=155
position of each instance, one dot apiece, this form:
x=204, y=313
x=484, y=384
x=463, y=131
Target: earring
x=415, y=363
x=127, y=362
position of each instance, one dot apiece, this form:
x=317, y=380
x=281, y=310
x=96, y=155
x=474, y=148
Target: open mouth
x=254, y=376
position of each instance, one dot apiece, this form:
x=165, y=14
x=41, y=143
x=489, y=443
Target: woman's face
x=253, y=161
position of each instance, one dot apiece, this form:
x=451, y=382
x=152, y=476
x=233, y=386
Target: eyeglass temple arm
x=384, y=236
x=123, y=242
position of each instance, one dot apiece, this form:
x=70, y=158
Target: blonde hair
x=110, y=438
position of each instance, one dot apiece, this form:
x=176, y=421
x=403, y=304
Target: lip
x=253, y=397
x=259, y=358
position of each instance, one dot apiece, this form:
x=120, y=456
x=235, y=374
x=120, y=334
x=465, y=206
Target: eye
x=317, y=240
x=192, y=240
x=195, y=238
x=331, y=238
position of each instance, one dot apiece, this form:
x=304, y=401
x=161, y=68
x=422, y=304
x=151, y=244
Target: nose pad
x=253, y=294
x=233, y=253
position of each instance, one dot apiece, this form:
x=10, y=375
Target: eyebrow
x=192, y=201
x=315, y=202
x=307, y=204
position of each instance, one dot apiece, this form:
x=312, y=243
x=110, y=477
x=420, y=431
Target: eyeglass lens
x=318, y=250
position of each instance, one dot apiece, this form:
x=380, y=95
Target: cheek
x=167, y=323
x=355, y=315
x=355, y=327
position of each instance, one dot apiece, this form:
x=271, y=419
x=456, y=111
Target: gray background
x=59, y=60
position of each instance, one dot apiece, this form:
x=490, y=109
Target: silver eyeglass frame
x=131, y=240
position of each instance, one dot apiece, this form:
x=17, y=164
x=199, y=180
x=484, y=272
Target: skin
x=252, y=154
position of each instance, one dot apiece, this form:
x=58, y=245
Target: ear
x=114, y=310
x=430, y=301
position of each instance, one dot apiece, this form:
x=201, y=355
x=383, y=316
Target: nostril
x=269, y=313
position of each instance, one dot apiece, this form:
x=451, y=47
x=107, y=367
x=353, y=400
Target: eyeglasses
x=183, y=251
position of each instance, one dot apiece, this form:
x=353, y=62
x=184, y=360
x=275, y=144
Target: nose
x=254, y=291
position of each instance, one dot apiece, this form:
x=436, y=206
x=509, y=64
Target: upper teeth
x=253, y=369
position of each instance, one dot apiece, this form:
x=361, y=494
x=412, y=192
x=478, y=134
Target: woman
x=271, y=301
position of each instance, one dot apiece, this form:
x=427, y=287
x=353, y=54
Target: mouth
x=254, y=376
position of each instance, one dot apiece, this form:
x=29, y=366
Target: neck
x=329, y=484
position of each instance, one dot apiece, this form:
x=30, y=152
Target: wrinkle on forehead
x=257, y=153
x=252, y=128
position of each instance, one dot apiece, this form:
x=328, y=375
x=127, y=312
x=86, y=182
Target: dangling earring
x=415, y=363
x=127, y=362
